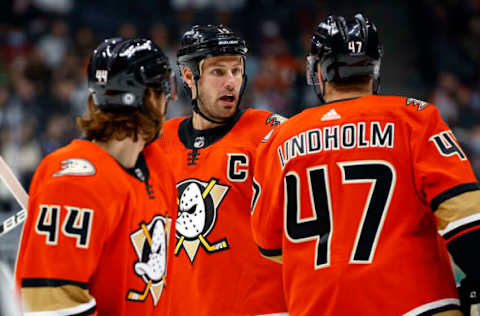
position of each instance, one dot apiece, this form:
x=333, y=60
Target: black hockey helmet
x=345, y=49
x=120, y=71
x=204, y=41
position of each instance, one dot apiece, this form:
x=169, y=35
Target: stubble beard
x=211, y=114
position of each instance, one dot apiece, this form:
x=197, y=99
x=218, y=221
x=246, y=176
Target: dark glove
x=469, y=293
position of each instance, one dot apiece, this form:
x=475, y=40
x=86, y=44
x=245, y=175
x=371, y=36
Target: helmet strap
x=195, y=104
x=321, y=94
x=196, y=109
x=242, y=90
x=376, y=85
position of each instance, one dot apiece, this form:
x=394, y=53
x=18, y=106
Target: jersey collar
x=197, y=139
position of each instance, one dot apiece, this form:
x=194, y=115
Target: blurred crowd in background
x=432, y=52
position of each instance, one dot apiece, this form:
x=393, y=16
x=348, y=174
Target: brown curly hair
x=102, y=126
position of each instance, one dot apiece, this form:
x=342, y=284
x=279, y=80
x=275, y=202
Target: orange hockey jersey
x=96, y=236
x=346, y=192
x=217, y=269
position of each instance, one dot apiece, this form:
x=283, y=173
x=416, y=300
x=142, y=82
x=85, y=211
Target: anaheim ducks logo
x=275, y=119
x=198, y=202
x=418, y=103
x=150, y=243
x=76, y=167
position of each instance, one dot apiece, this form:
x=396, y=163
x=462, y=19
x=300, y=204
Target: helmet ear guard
x=194, y=68
x=160, y=77
x=311, y=70
x=312, y=76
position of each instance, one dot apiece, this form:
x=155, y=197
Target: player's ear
x=189, y=80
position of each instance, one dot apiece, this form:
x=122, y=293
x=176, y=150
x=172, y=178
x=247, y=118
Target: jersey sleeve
x=267, y=210
x=66, y=228
x=445, y=178
x=442, y=169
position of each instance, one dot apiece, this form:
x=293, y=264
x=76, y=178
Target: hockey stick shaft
x=208, y=188
x=12, y=183
x=222, y=244
x=12, y=222
x=134, y=295
x=179, y=245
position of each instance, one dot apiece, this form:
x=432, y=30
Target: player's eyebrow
x=222, y=64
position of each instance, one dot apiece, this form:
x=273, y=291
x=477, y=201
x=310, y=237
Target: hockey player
x=355, y=196
x=96, y=236
x=217, y=268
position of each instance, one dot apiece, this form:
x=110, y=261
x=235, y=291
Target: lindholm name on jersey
x=337, y=137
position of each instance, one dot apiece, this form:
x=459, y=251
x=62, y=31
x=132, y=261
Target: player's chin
x=228, y=114
x=227, y=110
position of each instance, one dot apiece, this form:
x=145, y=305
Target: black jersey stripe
x=450, y=307
x=52, y=283
x=270, y=252
x=90, y=311
x=462, y=188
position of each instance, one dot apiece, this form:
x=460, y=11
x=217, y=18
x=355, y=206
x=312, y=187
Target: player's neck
x=125, y=151
x=346, y=92
x=200, y=123
x=335, y=95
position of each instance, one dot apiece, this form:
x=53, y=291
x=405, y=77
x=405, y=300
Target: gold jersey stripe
x=277, y=259
x=449, y=313
x=458, y=207
x=54, y=298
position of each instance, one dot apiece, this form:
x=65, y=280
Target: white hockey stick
x=20, y=195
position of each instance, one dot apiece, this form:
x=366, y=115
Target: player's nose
x=230, y=81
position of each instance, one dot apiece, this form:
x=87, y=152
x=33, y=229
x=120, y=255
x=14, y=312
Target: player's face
x=219, y=86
